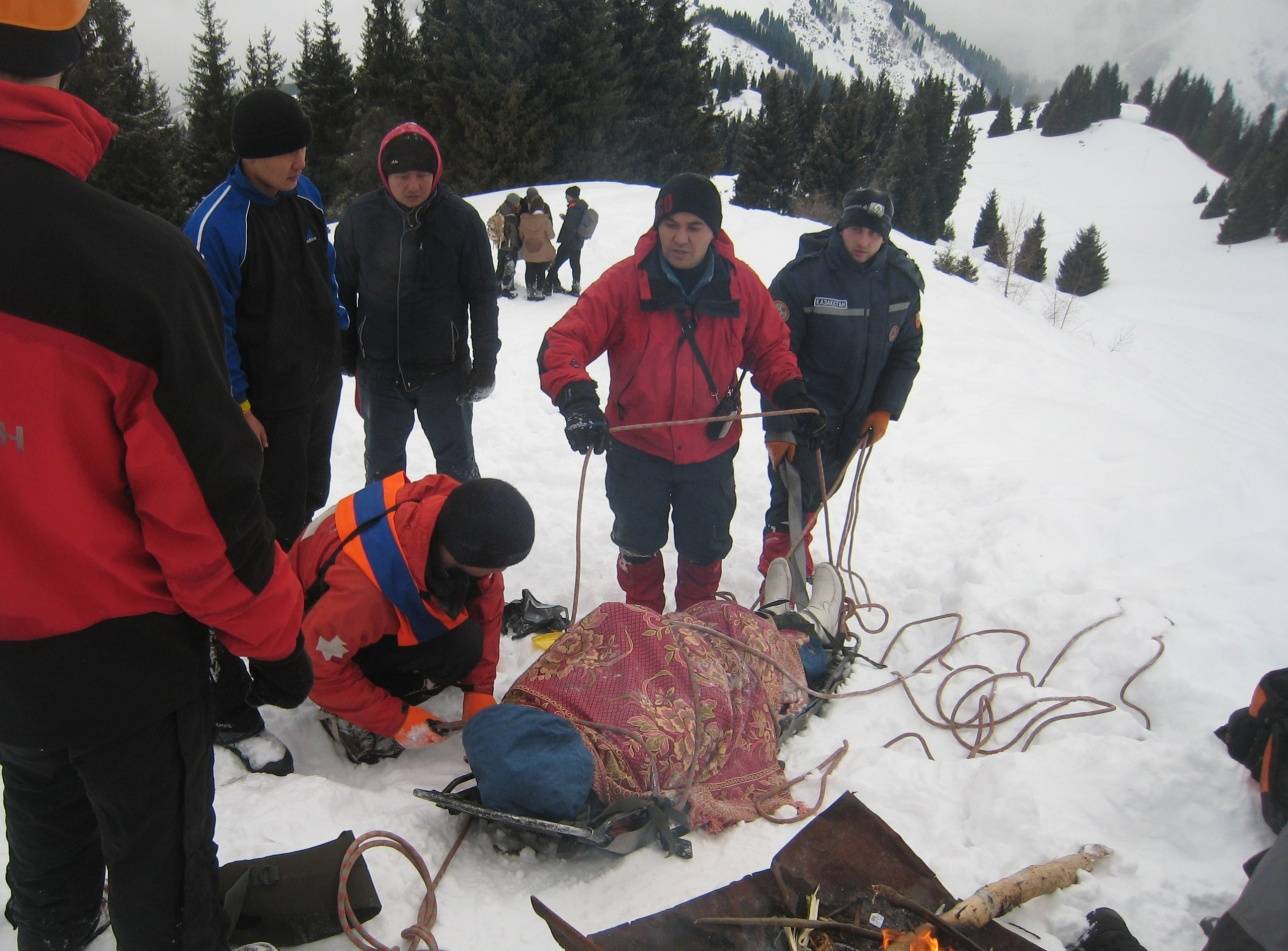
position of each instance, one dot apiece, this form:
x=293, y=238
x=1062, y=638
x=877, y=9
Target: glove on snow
x=584, y=422
x=282, y=683
x=474, y=702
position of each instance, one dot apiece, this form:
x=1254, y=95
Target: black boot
x=1106, y=931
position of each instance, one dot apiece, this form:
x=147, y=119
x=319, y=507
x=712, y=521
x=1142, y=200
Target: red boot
x=694, y=583
x=777, y=545
x=642, y=580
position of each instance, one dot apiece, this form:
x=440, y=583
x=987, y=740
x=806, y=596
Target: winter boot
x=259, y=750
x=357, y=745
x=776, y=596
x=575, y=290
x=641, y=578
x=1106, y=931
x=826, y=597
x=777, y=544
x=695, y=583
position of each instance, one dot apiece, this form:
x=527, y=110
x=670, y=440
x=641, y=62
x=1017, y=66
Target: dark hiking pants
x=389, y=411
x=569, y=251
x=296, y=479
x=140, y=806
x=699, y=497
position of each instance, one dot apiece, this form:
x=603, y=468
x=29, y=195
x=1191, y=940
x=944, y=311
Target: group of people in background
x=524, y=228
x=203, y=392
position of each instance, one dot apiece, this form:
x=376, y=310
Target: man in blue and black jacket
x=263, y=235
x=852, y=301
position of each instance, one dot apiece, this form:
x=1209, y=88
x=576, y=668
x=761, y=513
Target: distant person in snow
x=264, y=238
x=503, y=229
x=404, y=597
x=678, y=319
x=133, y=525
x=599, y=718
x=570, y=242
x=536, y=232
x=415, y=269
x=852, y=302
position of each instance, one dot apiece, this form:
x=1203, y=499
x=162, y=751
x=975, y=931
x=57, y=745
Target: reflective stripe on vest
x=378, y=553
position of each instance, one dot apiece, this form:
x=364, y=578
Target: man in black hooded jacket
x=414, y=266
x=852, y=301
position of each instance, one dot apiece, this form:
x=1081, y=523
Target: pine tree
x=990, y=220
x=324, y=75
x=951, y=176
x=976, y=100
x=1072, y=108
x=1145, y=95
x=1281, y=226
x=550, y=108
x=1261, y=194
x=663, y=45
x=768, y=177
x=920, y=169
x=1002, y=124
x=1030, y=260
x=142, y=166
x=999, y=248
x=208, y=94
x=1083, y=269
x=264, y=66
x=1026, y=118
x=1218, y=206
x=1107, y=93
x=1202, y=196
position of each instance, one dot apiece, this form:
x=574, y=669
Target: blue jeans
x=388, y=411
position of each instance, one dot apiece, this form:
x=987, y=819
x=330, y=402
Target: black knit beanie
x=38, y=40
x=269, y=122
x=486, y=523
x=692, y=193
x=409, y=152
x=867, y=208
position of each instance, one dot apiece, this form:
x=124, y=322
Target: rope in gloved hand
x=425, y=916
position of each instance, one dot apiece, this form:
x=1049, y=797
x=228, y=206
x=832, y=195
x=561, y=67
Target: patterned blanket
x=668, y=705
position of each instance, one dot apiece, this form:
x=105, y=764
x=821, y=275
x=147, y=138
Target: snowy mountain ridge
x=859, y=34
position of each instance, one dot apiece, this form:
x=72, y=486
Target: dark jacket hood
x=415, y=129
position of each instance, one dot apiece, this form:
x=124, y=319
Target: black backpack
x=1257, y=736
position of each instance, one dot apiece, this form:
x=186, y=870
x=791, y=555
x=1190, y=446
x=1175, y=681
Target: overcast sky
x=1243, y=40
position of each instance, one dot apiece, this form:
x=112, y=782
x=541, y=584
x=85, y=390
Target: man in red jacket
x=132, y=526
x=677, y=319
x=404, y=597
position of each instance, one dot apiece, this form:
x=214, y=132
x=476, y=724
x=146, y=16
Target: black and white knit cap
x=868, y=208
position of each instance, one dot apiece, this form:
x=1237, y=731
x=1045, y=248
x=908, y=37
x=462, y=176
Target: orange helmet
x=39, y=37
x=43, y=14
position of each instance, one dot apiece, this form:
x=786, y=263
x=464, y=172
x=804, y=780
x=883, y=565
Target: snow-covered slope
x=1245, y=41
x=1040, y=479
x=861, y=35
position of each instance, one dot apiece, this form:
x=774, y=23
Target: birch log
x=1011, y=892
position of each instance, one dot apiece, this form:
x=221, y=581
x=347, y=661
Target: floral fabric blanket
x=672, y=703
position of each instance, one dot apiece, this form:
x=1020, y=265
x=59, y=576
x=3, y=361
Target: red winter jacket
x=633, y=312
x=354, y=614
x=132, y=519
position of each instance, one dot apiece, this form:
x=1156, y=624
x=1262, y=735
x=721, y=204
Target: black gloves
x=282, y=683
x=810, y=427
x=584, y=422
x=478, y=386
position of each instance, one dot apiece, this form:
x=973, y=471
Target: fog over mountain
x=1245, y=41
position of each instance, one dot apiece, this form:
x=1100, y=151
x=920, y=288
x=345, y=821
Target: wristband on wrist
x=245, y=406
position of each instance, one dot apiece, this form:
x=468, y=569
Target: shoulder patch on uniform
x=783, y=310
x=840, y=302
